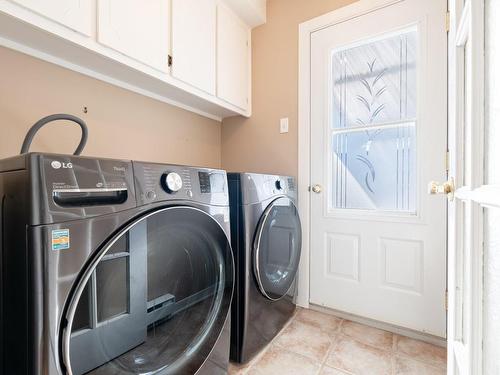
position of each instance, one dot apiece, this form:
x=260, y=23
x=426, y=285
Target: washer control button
x=278, y=185
x=151, y=195
x=173, y=182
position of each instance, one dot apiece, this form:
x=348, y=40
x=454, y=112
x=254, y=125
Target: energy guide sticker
x=60, y=239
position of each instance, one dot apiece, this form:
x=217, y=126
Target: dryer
x=113, y=267
x=266, y=241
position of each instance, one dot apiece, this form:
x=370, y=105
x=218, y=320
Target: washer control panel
x=157, y=182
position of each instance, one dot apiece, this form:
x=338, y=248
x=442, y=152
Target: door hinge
x=447, y=22
x=446, y=300
x=170, y=60
x=447, y=161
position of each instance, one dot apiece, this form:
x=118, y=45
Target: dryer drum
x=154, y=300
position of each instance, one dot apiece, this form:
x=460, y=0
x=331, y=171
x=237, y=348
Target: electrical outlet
x=284, y=125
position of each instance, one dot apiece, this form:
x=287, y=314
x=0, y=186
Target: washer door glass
x=155, y=299
x=277, y=248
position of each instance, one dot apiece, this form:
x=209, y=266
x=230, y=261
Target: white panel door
x=233, y=58
x=378, y=135
x=138, y=29
x=193, y=43
x=476, y=199
x=75, y=14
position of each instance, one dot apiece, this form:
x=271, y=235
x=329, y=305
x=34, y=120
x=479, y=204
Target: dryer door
x=155, y=298
x=277, y=247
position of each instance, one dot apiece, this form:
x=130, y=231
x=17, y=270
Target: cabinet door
x=233, y=58
x=138, y=29
x=75, y=14
x=193, y=43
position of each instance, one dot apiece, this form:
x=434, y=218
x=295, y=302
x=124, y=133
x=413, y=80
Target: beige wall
x=121, y=124
x=255, y=144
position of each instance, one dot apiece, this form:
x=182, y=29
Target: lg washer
x=113, y=267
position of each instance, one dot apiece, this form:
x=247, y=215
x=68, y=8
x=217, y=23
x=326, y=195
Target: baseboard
x=431, y=339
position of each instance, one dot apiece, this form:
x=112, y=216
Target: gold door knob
x=316, y=189
x=447, y=188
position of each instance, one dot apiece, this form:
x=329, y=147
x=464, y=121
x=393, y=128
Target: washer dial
x=173, y=182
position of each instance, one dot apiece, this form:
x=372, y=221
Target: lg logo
x=57, y=165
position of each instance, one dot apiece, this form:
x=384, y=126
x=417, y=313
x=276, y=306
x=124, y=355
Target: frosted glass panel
x=375, y=169
x=375, y=82
x=373, y=132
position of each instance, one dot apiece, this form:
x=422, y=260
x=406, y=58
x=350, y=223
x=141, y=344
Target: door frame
x=337, y=16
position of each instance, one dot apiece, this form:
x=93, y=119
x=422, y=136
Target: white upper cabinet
x=194, y=54
x=74, y=14
x=233, y=58
x=193, y=43
x=138, y=29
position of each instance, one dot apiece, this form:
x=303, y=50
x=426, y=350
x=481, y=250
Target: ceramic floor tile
x=422, y=351
x=237, y=369
x=406, y=366
x=326, y=370
x=368, y=335
x=278, y=360
x=350, y=349
x=325, y=322
x=359, y=358
x=306, y=340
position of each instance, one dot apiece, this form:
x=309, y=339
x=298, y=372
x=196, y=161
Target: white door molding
x=354, y=10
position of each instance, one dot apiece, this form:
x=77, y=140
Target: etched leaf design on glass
x=373, y=123
x=372, y=102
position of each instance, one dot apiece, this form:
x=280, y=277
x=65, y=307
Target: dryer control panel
x=162, y=182
x=260, y=187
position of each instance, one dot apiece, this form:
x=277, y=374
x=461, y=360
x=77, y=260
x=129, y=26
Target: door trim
x=343, y=14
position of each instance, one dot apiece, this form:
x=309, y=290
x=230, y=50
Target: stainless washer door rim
x=82, y=282
x=257, y=243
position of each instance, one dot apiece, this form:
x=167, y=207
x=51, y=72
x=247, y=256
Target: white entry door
x=473, y=142
x=378, y=135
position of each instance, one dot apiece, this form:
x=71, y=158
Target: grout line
x=335, y=341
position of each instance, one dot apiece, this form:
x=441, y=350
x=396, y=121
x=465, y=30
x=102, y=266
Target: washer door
x=277, y=247
x=155, y=299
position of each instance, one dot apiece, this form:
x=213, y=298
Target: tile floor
x=320, y=344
